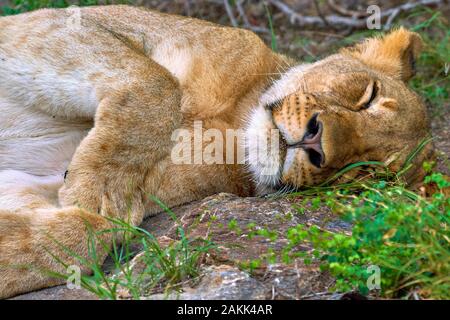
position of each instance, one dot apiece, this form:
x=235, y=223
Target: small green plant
x=273, y=37
x=161, y=267
x=408, y=239
x=403, y=233
x=432, y=80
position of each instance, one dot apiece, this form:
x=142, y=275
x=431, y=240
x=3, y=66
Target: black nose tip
x=312, y=141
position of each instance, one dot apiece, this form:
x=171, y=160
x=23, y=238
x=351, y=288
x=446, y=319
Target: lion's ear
x=394, y=54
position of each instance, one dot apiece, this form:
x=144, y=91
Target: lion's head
x=352, y=106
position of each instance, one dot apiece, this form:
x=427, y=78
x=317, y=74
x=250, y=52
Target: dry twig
x=230, y=13
x=346, y=12
x=247, y=24
x=345, y=22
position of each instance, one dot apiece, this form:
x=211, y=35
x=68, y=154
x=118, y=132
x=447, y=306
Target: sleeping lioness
x=90, y=100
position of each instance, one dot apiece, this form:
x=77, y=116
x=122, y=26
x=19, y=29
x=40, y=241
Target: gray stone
x=221, y=283
x=58, y=293
x=221, y=277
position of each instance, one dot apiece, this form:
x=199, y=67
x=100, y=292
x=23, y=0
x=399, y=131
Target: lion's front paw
x=113, y=194
x=82, y=189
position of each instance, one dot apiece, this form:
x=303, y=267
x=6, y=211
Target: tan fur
x=139, y=75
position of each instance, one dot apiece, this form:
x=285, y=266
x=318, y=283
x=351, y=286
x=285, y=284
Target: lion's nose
x=312, y=141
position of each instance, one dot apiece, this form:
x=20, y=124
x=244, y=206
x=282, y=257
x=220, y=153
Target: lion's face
x=352, y=106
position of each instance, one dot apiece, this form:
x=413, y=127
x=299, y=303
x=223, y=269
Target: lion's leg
x=126, y=152
x=30, y=241
x=189, y=182
x=32, y=229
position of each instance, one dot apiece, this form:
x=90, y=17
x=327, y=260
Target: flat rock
x=58, y=293
x=224, y=219
x=221, y=283
x=212, y=218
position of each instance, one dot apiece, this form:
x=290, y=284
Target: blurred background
x=310, y=29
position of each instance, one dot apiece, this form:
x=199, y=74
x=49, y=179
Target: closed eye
x=369, y=96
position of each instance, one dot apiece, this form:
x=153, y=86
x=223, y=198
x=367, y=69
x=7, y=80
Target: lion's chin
x=265, y=150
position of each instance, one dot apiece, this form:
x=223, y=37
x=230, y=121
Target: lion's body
x=54, y=77
x=99, y=92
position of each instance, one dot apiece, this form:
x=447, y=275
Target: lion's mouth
x=291, y=161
